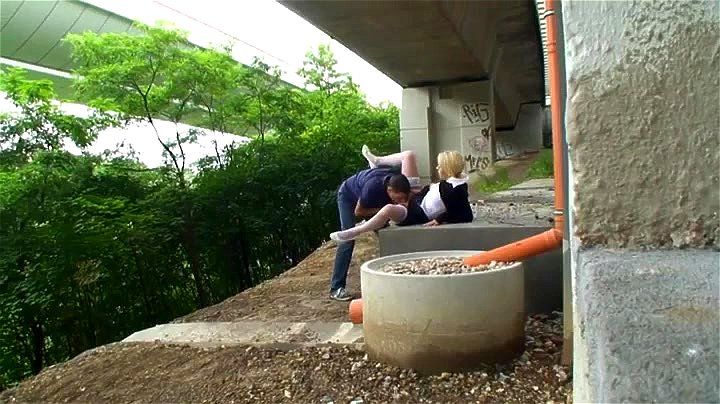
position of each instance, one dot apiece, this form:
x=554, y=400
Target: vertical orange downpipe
x=556, y=103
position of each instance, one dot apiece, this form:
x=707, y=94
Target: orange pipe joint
x=519, y=250
x=356, y=311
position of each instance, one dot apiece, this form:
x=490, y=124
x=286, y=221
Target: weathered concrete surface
x=543, y=273
x=526, y=136
x=537, y=183
x=648, y=326
x=643, y=121
x=450, y=117
x=440, y=323
x=252, y=333
x=423, y=43
x=643, y=133
x=540, y=191
x=535, y=210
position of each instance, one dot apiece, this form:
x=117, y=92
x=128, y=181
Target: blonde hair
x=450, y=164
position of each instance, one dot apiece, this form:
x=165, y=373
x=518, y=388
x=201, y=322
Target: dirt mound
x=150, y=373
x=155, y=372
x=300, y=294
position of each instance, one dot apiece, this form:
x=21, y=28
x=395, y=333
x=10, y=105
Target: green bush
x=93, y=248
x=542, y=167
x=495, y=183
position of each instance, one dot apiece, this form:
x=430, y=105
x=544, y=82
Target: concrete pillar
x=643, y=131
x=415, y=127
x=526, y=136
x=456, y=117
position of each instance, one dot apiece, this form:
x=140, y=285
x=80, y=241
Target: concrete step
x=531, y=191
x=252, y=333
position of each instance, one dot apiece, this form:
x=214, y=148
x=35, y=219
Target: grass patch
x=499, y=182
x=542, y=167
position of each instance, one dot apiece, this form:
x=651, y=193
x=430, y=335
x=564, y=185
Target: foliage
x=499, y=181
x=39, y=124
x=93, y=248
x=542, y=167
x=158, y=75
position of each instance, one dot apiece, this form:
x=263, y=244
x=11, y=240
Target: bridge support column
x=453, y=117
x=415, y=128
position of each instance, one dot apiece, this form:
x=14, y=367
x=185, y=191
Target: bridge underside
x=33, y=32
x=426, y=43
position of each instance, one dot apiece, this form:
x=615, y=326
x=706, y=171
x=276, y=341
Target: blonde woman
x=442, y=202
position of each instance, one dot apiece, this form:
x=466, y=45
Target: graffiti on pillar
x=504, y=149
x=476, y=135
x=476, y=113
x=476, y=163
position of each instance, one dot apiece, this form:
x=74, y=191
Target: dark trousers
x=346, y=208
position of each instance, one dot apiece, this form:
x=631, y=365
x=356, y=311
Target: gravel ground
x=149, y=372
x=513, y=213
x=439, y=266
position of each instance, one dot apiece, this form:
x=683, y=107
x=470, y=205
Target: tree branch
x=152, y=123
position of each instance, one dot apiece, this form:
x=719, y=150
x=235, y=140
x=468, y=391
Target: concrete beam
x=437, y=43
x=655, y=182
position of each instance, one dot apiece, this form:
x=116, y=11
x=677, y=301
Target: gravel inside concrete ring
x=439, y=266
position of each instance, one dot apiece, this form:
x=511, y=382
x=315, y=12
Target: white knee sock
x=372, y=160
x=395, y=213
x=395, y=159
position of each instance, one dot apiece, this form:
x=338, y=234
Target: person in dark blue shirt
x=442, y=202
x=363, y=195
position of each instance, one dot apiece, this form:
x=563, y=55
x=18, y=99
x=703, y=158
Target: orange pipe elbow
x=356, y=312
x=519, y=250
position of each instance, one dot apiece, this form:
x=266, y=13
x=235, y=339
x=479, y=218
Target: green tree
x=262, y=215
x=263, y=93
x=93, y=248
x=84, y=258
x=159, y=75
x=37, y=129
x=38, y=124
x=320, y=72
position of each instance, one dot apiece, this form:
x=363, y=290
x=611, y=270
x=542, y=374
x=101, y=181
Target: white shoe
x=335, y=236
x=372, y=160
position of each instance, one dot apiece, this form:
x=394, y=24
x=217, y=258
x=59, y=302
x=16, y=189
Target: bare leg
x=406, y=160
x=394, y=213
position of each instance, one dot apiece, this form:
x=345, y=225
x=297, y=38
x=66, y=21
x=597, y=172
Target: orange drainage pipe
x=356, y=311
x=552, y=238
x=519, y=250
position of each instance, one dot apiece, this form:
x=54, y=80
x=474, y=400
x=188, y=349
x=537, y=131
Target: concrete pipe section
x=442, y=323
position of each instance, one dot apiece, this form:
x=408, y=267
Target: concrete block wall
x=643, y=132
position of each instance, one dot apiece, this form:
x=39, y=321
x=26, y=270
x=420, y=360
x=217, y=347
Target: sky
x=261, y=28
